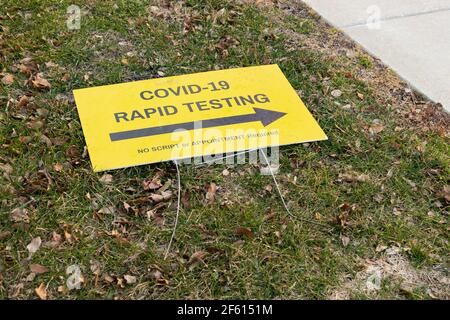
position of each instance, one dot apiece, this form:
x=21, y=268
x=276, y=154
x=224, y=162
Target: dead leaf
x=65, y=77
x=353, y=177
x=55, y=242
x=129, y=279
x=108, y=278
x=76, y=278
x=42, y=112
x=23, y=101
x=41, y=291
x=126, y=206
x=58, y=167
x=27, y=66
x=445, y=193
x=153, y=184
x=51, y=64
x=268, y=188
x=270, y=214
x=106, y=178
x=68, y=237
x=26, y=70
x=360, y=96
x=8, y=79
x=35, y=124
x=225, y=172
x=96, y=267
x=211, y=194
x=39, y=82
x=6, y=168
x=46, y=140
x=74, y=154
x=197, y=257
x=185, y=199
x=156, y=217
x=380, y=248
x=20, y=215
x=30, y=277
x=38, y=269
x=34, y=245
x=156, y=197
x=336, y=93
x=4, y=234
x=242, y=231
x=376, y=127
x=345, y=240
x=156, y=274
x=107, y=210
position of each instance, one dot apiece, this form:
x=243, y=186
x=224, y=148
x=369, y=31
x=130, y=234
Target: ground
x=369, y=206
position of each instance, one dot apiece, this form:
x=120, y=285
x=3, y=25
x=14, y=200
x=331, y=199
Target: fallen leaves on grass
x=74, y=154
x=353, y=177
x=34, y=245
x=445, y=194
x=336, y=93
x=165, y=195
x=20, y=215
x=152, y=184
x=58, y=167
x=4, y=234
x=376, y=126
x=76, y=279
x=38, y=269
x=39, y=82
x=107, y=210
x=8, y=79
x=242, y=231
x=343, y=217
x=211, y=193
x=106, y=178
x=38, y=182
x=23, y=101
x=41, y=291
x=156, y=273
x=270, y=214
x=345, y=240
x=130, y=279
x=197, y=257
x=55, y=242
x=27, y=66
x=6, y=168
x=156, y=217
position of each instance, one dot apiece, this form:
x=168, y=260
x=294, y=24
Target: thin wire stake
x=281, y=195
x=178, y=209
x=276, y=184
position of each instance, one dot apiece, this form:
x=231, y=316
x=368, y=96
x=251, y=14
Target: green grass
x=287, y=257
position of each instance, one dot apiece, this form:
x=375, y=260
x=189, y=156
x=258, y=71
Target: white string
x=178, y=209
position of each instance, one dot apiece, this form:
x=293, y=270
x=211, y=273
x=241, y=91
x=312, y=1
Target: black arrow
x=265, y=116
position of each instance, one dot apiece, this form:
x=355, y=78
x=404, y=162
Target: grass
x=399, y=204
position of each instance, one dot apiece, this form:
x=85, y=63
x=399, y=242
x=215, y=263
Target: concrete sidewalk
x=411, y=36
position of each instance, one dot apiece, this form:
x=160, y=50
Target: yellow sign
x=192, y=115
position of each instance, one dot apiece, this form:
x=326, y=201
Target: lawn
x=369, y=206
